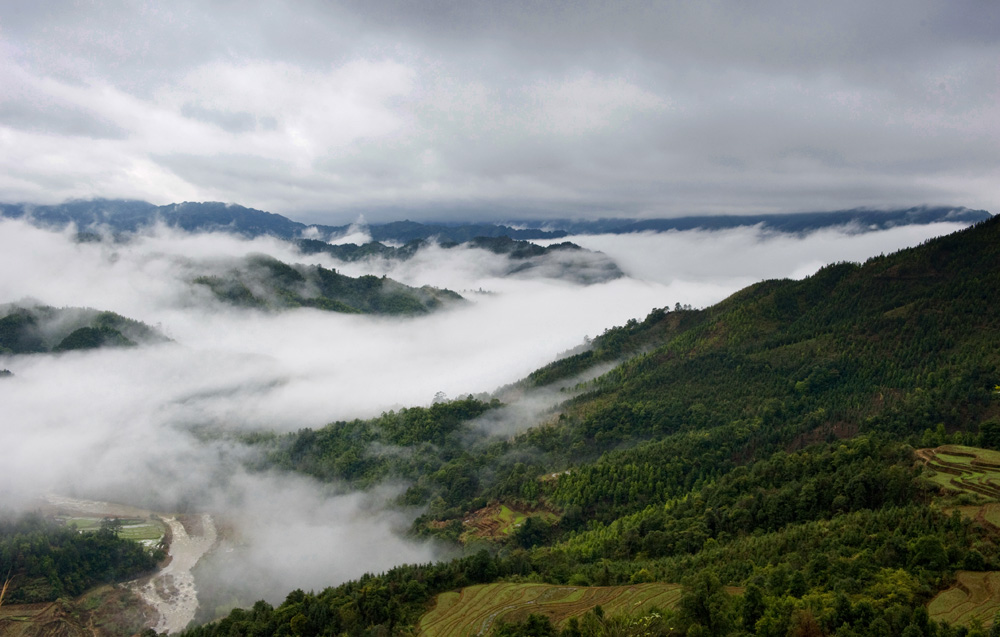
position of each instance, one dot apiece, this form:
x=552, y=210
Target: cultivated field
x=474, y=609
x=146, y=530
x=497, y=521
x=964, y=469
x=106, y=611
x=976, y=595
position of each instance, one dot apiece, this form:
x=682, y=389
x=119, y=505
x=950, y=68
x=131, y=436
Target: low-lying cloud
x=149, y=425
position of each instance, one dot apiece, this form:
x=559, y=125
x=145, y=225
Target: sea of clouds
x=153, y=425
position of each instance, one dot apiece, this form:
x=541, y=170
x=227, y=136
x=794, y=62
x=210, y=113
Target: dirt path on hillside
x=171, y=591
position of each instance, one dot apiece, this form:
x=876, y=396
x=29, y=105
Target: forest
x=46, y=560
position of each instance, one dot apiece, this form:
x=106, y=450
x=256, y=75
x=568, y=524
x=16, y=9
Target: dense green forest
x=263, y=282
x=46, y=560
x=33, y=329
x=765, y=443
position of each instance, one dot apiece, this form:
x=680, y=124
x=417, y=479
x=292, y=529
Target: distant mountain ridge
x=119, y=215
x=865, y=219
x=126, y=216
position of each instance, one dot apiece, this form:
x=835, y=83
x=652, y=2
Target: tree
x=111, y=526
x=705, y=602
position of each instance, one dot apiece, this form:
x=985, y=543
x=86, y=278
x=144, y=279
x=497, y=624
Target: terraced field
x=964, y=469
x=976, y=595
x=497, y=521
x=473, y=610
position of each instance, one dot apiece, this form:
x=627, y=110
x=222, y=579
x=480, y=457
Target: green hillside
x=263, y=282
x=32, y=329
x=766, y=443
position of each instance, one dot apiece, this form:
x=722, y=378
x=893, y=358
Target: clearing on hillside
x=975, y=595
x=962, y=469
x=498, y=521
x=474, y=609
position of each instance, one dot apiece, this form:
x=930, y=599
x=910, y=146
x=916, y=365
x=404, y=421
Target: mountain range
x=125, y=216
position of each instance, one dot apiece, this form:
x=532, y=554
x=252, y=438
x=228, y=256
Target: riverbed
x=172, y=591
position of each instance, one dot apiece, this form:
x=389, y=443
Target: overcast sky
x=321, y=111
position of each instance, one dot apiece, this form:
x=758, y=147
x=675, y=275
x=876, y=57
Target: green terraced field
x=964, y=469
x=975, y=595
x=474, y=609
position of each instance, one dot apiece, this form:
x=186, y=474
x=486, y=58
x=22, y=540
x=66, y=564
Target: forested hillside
x=765, y=443
x=263, y=282
x=32, y=329
x=46, y=560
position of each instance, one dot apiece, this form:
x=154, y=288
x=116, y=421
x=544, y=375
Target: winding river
x=171, y=591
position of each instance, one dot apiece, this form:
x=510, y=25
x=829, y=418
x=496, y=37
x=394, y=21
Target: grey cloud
x=563, y=109
x=239, y=122
x=58, y=120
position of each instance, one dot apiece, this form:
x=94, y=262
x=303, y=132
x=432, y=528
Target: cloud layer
x=323, y=110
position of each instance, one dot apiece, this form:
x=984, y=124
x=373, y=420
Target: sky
x=151, y=426
x=436, y=110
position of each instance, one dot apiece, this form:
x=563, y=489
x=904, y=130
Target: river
x=171, y=591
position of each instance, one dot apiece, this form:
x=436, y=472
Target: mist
x=151, y=425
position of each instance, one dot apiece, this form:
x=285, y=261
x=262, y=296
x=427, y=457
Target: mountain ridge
x=133, y=215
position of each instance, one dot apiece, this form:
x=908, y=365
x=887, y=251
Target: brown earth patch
x=102, y=612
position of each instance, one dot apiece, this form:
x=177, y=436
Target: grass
x=975, y=596
x=3, y=591
x=147, y=530
x=474, y=609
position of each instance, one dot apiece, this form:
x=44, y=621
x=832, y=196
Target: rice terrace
x=970, y=478
x=964, y=469
x=474, y=609
x=975, y=596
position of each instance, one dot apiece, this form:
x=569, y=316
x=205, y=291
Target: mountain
x=263, y=282
x=32, y=329
x=760, y=453
x=859, y=219
x=566, y=260
x=126, y=216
